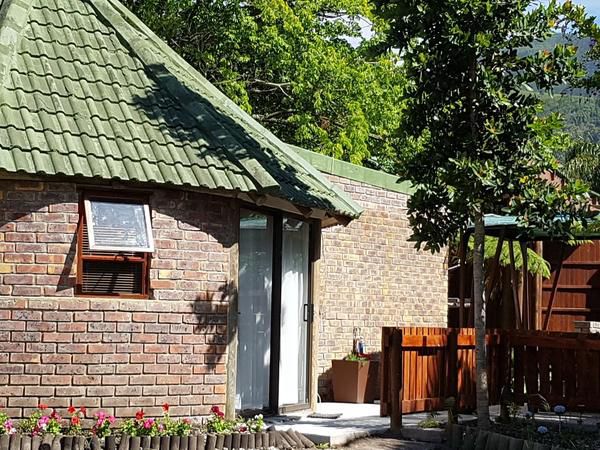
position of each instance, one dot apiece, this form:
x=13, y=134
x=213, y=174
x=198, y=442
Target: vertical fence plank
x=396, y=381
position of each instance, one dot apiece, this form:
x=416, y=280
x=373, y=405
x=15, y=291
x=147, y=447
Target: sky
x=591, y=6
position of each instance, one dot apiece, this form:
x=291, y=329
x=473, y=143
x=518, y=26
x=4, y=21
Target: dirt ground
x=389, y=443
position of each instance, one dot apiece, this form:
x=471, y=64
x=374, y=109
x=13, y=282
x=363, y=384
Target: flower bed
x=45, y=429
x=520, y=438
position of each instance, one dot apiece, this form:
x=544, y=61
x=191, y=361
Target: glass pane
x=293, y=365
x=118, y=225
x=255, y=288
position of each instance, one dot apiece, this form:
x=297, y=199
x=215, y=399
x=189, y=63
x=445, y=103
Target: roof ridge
x=257, y=131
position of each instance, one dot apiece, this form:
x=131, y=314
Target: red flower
x=75, y=420
x=42, y=406
x=83, y=410
x=165, y=407
x=139, y=415
x=71, y=409
x=217, y=411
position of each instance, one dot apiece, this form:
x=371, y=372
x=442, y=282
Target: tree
x=292, y=66
x=581, y=160
x=475, y=141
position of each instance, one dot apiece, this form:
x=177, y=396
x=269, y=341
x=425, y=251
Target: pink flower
x=111, y=419
x=148, y=423
x=100, y=415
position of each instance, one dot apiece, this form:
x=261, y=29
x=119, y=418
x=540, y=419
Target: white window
x=118, y=225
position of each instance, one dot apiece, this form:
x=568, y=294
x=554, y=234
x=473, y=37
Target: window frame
x=144, y=260
x=90, y=226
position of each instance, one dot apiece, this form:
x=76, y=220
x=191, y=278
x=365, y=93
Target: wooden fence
x=422, y=367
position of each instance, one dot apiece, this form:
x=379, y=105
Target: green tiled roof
x=87, y=90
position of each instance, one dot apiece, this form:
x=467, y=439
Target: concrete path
x=356, y=421
x=389, y=443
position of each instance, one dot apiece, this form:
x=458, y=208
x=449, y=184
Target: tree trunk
x=483, y=411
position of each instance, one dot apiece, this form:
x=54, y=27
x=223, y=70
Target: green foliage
x=102, y=425
x=6, y=425
x=29, y=424
x=581, y=160
x=149, y=426
x=430, y=421
x=536, y=264
x=477, y=142
x=581, y=114
x=356, y=357
x=217, y=423
x=291, y=66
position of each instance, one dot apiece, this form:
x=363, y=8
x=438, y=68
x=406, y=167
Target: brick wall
x=372, y=276
x=114, y=354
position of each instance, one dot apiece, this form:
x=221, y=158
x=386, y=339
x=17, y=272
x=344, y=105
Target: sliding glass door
x=274, y=312
x=254, y=320
x=293, y=358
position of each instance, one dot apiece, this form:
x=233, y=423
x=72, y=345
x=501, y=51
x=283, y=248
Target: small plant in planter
x=102, y=426
x=217, y=423
x=256, y=424
x=74, y=427
x=39, y=423
x=170, y=427
x=149, y=426
x=140, y=426
x=6, y=425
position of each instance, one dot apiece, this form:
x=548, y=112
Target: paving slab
x=356, y=421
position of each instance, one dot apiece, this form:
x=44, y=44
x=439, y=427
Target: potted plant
x=355, y=379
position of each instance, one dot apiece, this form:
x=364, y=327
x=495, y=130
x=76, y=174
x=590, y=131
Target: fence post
x=396, y=381
x=452, y=366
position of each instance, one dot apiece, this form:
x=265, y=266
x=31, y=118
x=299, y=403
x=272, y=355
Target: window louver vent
x=100, y=277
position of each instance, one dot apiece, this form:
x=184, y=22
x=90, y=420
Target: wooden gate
x=429, y=365
x=422, y=367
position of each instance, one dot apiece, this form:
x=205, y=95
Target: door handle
x=307, y=312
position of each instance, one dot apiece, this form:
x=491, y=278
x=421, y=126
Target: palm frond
x=536, y=264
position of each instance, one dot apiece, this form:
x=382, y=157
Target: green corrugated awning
x=87, y=90
x=509, y=225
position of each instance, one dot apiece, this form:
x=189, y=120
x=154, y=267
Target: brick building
x=371, y=276
x=158, y=245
